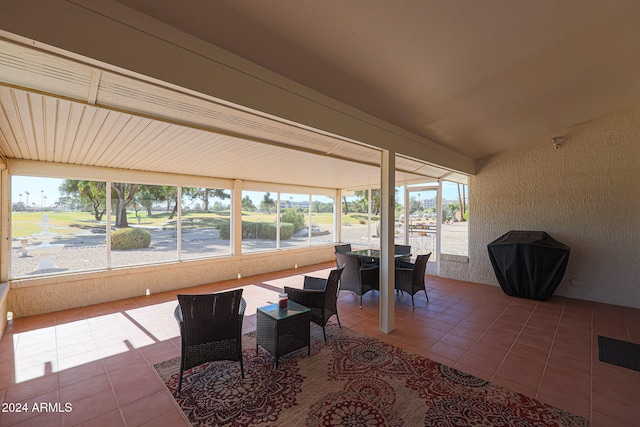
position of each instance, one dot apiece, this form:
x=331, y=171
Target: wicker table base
x=282, y=331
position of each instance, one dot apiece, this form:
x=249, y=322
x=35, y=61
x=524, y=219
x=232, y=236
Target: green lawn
x=29, y=223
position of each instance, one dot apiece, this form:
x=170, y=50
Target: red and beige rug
x=353, y=380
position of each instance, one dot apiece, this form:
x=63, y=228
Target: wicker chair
x=210, y=328
x=410, y=277
x=405, y=250
x=343, y=248
x=357, y=277
x=320, y=295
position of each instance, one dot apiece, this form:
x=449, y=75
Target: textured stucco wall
x=48, y=294
x=585, y=194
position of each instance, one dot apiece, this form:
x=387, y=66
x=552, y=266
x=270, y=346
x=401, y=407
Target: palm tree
x=27, y=193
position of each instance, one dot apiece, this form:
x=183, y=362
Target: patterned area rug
x=353, y=380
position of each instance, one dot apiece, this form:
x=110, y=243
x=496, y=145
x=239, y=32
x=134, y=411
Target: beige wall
x=4, y=298
x=53, y=293
x=585, y=194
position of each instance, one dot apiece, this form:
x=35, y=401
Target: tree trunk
x=121, y=215
x=122, y=202
x=461, y=200
x=205, y=201
x=174, y=211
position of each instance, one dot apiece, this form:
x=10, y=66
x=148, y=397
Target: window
x=60, y=225
x=144, y=224
x=57, y=226
x=398, y=223
x=294, y=220
x=455, y=219
x=322, y=214
x=206, y=222
x=357, y=229
x=259, y=217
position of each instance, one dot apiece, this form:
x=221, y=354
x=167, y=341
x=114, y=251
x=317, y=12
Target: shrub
x=259, y=230
x=130, y=238
x=292, y=217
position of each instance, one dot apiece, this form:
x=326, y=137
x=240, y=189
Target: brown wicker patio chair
x=320, y=295
x=410, y=277
x=210, y=328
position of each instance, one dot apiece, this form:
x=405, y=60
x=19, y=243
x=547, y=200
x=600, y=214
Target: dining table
x=372, y=256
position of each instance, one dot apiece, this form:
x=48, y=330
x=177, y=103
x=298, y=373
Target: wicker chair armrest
x=308, y=297
x=401, y=263
x=177, y=313
x=314, y=283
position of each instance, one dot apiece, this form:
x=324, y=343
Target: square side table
x=282, y=331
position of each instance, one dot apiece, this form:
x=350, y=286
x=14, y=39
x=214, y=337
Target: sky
x=39, y=187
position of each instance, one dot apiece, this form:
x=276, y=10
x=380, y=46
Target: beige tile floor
x=100, y=358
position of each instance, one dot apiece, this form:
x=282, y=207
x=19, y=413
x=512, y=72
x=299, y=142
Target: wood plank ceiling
x=54, y=109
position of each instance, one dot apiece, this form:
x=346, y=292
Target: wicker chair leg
x=324, y=334
x=241, y=367
x=413, y=306
x=338, y=317
x=426, y=296
x=180, y=383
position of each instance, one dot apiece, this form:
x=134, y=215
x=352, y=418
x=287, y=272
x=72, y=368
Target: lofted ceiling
x=478, y=77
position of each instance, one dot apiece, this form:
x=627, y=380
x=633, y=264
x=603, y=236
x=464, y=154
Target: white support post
x=387, y=262
x=179, y=223
x=108, y=230
x=438, y=225
x=369, y=217
x=309, y=214
x=236, y=218
x=278, y=212
x=337, y=217
x=5, y=229
x=407, y=207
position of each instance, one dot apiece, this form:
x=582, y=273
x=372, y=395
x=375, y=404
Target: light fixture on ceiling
x=557, y=141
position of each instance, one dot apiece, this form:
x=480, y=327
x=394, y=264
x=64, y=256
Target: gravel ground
x=87, y=252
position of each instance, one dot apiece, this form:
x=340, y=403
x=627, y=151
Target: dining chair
x=410, y=277
x=357, y=277
x=405, y=250
x=320, y=295
x=343, y=248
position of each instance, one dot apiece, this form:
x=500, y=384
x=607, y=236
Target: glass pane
x=322, y=220
x=258, y=221
x=455, y=214
x=399, y=217
x=294, y=220
x=206, y=222
x=355, y=220
x=57, y=226
x=422, y=223
x=143, y=222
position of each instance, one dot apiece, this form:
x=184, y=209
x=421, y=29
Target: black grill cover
x=528, y=264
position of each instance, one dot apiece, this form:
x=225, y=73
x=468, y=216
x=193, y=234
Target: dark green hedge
x=259, y=230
